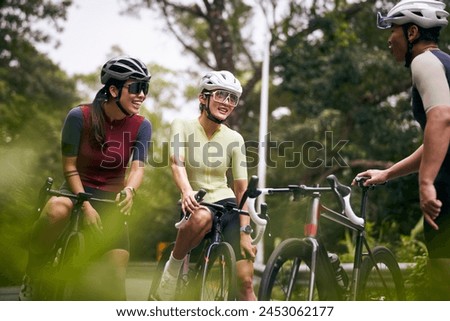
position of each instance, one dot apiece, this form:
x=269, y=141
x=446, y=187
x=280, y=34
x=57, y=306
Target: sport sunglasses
x=225, y=97
x=137, y=87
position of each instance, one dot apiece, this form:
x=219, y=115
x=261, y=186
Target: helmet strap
x=211, y=116
x=119, y=105
x=408, y=55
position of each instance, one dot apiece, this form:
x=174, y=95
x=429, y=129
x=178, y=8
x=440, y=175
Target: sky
x=94, y=26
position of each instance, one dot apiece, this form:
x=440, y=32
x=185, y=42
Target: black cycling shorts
x=230, y=227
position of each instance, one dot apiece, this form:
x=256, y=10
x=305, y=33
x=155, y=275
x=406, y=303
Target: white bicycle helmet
x=123, y=68
x=221, y=80
x=424, y=13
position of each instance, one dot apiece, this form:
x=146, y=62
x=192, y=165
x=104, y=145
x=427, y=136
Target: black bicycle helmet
x=123, y=68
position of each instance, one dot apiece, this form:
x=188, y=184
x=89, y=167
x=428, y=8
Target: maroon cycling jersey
x=104, y=166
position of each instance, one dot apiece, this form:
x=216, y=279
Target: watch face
x=247, y=229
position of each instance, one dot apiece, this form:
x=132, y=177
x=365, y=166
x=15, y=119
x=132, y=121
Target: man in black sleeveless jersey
x=415, y=27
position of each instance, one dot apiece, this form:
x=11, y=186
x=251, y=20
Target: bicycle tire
x=389, y=286
x=289, y=264
x=69, y=266
x=219, y=274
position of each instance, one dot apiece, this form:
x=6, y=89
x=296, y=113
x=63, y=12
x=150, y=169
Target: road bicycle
x=58, y=279
x=303, y=269
x=208, y=272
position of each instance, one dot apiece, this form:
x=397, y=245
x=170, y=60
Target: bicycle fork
x=312, y=277
x=311, y=226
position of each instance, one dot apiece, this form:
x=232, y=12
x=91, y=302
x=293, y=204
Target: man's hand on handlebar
x=372, y=177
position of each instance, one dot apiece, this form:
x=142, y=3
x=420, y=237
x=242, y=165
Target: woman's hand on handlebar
x=124, y=201
x=188, y=202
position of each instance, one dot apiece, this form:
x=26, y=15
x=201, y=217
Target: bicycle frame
x=203, y=253
x=311, y=226
x=346, y=218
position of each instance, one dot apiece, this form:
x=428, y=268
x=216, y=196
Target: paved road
x=138, y=285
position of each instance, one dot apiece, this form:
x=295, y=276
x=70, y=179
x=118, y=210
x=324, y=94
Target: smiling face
x=221, y=103
x=133, y=95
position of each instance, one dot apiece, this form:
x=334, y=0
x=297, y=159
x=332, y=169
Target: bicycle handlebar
x=249, y=196
x=341, y=191
x=343, y=194
x=80, y=197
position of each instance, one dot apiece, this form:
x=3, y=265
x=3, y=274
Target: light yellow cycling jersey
x=208, y=160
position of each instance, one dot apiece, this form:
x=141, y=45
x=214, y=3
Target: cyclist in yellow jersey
x=203, y=150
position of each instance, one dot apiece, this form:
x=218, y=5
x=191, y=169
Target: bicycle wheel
x=287, y=274
x=384, y=283
x=44, y=286
x=69, y=264
x=219, y=276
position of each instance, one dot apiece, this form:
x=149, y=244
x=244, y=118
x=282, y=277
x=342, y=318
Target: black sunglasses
x=137, y=87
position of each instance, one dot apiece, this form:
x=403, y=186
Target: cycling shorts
x=230, y=227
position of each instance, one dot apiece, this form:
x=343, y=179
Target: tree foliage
x=348, y=100
x=34, y=98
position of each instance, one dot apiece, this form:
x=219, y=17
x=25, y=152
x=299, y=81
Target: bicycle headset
x=123, y=68
x=213, y=80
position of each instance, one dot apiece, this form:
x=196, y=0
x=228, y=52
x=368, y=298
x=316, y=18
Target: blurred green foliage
x=346, y=106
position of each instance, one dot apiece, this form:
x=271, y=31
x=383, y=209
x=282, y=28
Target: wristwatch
x=247, y=229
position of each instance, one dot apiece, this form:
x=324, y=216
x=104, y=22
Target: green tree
x=331, y=69
x=34, y=97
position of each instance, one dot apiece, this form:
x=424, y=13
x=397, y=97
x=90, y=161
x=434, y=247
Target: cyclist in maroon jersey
x=415, y=27
x=100, y=141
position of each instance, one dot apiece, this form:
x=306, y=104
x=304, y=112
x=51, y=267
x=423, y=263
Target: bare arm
x=240, y=186
x=188, y=202
x=134, y=180
x=404, y=167
x=436, y=141
x=248, y=250
x=72, y=177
